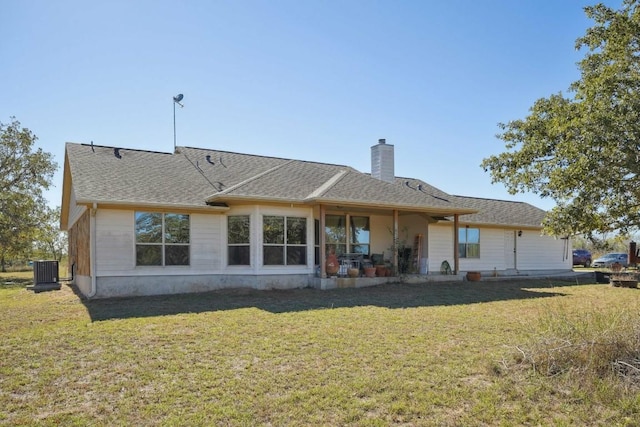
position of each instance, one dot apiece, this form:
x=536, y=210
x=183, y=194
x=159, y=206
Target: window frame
x=353, y=229
x=284, y=242
x=465, y=247
x=345, y=240
x=164, y=242
x=237, y=245
x=335, y=246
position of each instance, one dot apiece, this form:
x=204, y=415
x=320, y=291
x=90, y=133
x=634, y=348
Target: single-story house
x=143, y=222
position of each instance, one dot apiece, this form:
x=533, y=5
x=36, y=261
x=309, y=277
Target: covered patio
x=392, y=226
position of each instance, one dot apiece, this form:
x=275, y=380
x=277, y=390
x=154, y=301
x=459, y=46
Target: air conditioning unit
x=45, y=276
x=45, y=272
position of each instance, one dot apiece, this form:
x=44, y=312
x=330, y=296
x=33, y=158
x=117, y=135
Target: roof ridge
x=120, y=148
x=265, y=157
x=493, y=200
x=320, y=191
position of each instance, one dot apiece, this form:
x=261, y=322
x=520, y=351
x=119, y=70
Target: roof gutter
x=440, y=211
x=499, y=225
x=436, y=210
x=164, y=206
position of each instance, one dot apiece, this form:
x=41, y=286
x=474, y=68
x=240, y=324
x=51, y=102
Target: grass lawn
x=444, y=354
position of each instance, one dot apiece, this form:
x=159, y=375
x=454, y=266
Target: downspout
x=92, y=250
x=515, y=250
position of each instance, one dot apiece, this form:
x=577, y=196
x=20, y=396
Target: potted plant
x=473, y=276
x=332, y=264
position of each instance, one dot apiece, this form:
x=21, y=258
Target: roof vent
x=208, y=157
x=116, y=152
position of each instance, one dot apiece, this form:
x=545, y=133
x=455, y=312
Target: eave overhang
x=153, y=205
x=431, y=210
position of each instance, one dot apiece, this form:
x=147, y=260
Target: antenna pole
x=176, y=100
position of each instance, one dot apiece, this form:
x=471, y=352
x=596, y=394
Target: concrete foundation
x=125, y=286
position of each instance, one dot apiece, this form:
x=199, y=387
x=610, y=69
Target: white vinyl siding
x=533, y=250
x=115, y=248
x=441, y=249
x=538, y=252
x=206, y=242
x=381, y=237
x=75, y=211
x=491, y=252
x=440, y=246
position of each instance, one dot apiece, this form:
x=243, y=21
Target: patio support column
x=323, y=256
x=347, y=229
x=456, y=255
x=394, y=255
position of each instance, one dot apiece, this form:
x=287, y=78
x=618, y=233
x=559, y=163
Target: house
x=143, y=222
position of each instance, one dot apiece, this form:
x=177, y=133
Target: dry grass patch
x=432, y=354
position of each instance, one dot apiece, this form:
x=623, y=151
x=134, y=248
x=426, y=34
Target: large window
x=162, y=239
x=335, y=229
x=469, y=242
x=238, y=240
x=359, y=235
x=284, y=241
x=337, y=234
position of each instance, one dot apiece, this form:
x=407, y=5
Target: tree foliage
x=25, y=173
x=600, y=244
x=583, y=151
x=51, y=243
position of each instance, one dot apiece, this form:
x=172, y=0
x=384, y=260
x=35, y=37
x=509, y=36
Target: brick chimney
x=382, y=162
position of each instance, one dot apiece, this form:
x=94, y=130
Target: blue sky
x=313, y=80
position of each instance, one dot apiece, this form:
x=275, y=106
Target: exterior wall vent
x=382, y=162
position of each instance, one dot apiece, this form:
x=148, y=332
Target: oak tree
x=583, y=150
x=24, y=173
x=50, y=241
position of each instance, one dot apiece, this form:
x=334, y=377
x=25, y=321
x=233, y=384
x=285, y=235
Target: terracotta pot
x=370, y=271
x=333, y=265
x=381, y=270
x=353, y=272
x=473, y=276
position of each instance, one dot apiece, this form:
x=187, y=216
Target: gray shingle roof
x=194, y=176
x=105, y=174
x=501, y=212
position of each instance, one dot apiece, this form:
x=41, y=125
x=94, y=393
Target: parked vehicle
x=605, y=261
x=581, y=257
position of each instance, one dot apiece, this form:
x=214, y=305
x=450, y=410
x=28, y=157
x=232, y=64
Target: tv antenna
x=176, y=100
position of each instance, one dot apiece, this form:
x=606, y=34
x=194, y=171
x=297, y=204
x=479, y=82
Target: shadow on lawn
x=282, y=301
x=15, y=282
